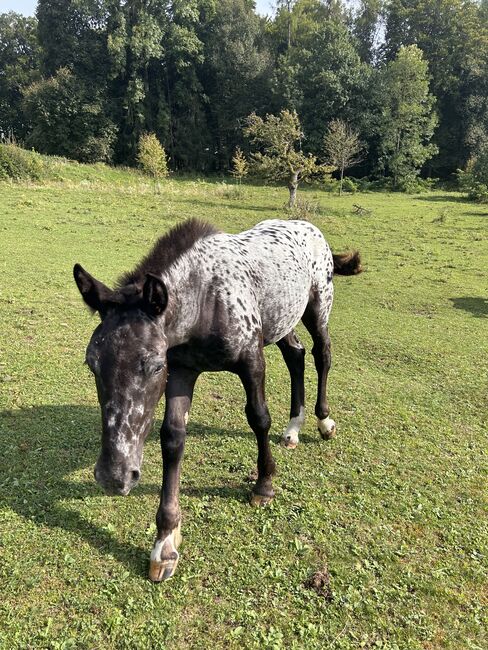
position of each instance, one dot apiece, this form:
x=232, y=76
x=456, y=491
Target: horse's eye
x=158, y=368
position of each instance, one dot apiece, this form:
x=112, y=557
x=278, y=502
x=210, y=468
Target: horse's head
x=127, y=356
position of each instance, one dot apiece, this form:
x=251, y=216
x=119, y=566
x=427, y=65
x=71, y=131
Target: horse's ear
x=94, y=293
x=154, y=295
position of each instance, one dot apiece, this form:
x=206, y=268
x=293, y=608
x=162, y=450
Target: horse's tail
x=347, y=263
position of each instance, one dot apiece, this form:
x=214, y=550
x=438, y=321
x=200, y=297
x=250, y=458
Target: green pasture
x=391, y=513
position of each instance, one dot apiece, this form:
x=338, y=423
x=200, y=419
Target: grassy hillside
x=392, y=511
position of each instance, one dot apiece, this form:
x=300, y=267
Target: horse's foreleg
x=251, y=373
x=294, y=355
x=165, y=556
x=315, y=320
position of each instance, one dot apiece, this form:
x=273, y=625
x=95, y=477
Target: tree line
x=86, y=79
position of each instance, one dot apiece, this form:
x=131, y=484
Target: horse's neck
x=185, y=292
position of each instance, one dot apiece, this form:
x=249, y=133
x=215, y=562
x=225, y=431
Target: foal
x=205, y=301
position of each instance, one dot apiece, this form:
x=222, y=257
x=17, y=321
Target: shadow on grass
x=234, y=205
x=474, y=305
x=443, y=198
x=42, y=446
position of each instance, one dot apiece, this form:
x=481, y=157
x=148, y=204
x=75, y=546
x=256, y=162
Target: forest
x=85, y=79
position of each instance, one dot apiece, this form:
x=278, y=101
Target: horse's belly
x=281, y=315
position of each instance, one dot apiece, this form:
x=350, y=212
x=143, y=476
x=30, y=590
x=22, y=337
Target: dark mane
x=167, y=250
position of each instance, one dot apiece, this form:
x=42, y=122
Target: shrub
x=348, y=185
x=330, y=184
x=240, y=167
x=232, y=192
x=474, y=179
x=152, y=156
x=303, y=210
x=20, y=165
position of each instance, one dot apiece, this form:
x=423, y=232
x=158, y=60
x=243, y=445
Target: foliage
x=68, y=120
x=191, y=71
x=343, y=148
x=453, y=36
x=407, y=119
x=349, y=186
x=303, y=209
x=281, y=159
x=320, y=75
x=240, y=167
x=20, y=165
x=404, y=542
x=474, y=179
x=19, y=66
x=235, y=75
x=151, y=156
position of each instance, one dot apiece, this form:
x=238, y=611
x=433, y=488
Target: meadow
x=390, y=515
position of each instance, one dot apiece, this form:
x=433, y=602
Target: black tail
x=347, y=263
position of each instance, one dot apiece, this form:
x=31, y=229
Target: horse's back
x=288, y=261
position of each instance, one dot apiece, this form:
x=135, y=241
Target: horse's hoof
x=164, y=556
x=260, y=499
x=327, y=428
x=288, y=442
x=163, y=570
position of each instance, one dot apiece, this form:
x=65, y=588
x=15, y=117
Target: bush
x=348, y=185
x=233, y=192
x=330, y=184
x=304, y=210
x=152, y=156
x=20, y=165
x=474, y=179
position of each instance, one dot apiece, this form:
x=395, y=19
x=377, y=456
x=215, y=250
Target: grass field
x=392, y=511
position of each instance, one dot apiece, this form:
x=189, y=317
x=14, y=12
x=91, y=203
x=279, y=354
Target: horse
x=203, y=300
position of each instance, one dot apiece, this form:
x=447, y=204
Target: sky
x=28, y=7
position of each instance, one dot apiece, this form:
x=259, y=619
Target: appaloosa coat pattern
x=203, y=300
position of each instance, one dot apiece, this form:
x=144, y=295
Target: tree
x=342, y=147
x=151, y=156
x=68, y=120
x=321, y=75
x=240, y=167
x=235, y=74
x=474, y=179
x=367, y=28
x=407, y=120
x=453, y=36
x=19, y=67
x=280, y=159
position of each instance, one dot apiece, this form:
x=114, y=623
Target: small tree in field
x=152, y=157
x=342, y=147
x=474, y=179
x=240, y=167
x=280, y=158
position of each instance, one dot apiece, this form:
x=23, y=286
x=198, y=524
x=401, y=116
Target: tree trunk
x=342, y=177
x=293, y=186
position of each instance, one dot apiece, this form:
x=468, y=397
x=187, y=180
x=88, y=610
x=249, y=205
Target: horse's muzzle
x=119, y=482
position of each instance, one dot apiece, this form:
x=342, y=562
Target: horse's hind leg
x=315, y=320
x=294, y=355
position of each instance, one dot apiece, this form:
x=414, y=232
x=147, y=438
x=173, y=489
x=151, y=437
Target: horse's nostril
x=135, y=475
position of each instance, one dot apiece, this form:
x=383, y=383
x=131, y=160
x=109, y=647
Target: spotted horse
x=203, y=300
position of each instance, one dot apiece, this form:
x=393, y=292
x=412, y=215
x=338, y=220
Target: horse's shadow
x=477, y=306
x=42, y=446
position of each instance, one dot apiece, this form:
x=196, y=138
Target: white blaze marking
x=294, y=426
x=186, y=418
